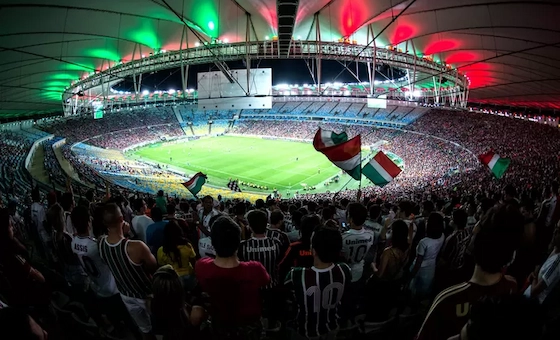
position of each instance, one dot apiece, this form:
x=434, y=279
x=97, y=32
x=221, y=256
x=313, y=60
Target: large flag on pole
x=381, y=169
x=326, y=138
x=345, y=154
x=497, y=164
x=195, y=183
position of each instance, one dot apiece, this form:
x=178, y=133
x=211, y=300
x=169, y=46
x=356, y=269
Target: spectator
x=67, y=203
x=299, y=253
x=451, y=267
x=424, y=266
x=543, y=282
x=161, y=202
x=154, y=232
x=236, y=311
x=62, y=244
x=494, y=246
x=275, y=230
x=172, y=316
x=325, y=281
x=178, y=252
x=131, y=263
x=502, y=318
x=383, y=287
x=357, y=241
x=140, y=221
x=206, y=213
x=268, y=252
x=26, y=284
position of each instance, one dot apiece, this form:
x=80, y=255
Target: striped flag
x=497, y=164
x=381, y=169
x=195, y=183
x=234, y=186
x=325, y=138
x=344, y=154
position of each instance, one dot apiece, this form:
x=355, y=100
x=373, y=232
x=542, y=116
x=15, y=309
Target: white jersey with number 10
x=88, y=252
x=355, y=245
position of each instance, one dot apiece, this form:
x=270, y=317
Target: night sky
x=283, y=72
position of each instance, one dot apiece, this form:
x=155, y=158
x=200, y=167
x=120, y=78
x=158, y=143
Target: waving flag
x=381, y=169
x=195, y=183
x=234, y=185
x=344, y=154
x=497, y=164
x=325, y=138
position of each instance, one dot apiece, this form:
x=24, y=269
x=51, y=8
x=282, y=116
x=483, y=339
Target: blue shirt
x=154, y=235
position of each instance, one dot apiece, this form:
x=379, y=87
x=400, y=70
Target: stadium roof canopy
x=510, y=50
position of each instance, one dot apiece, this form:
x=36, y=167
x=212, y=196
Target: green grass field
x=265, y=162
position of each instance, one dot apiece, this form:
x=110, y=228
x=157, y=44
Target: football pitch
x=280, y=164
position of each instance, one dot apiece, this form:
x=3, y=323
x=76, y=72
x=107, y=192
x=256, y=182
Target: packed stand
x=123, y=266
x=78, y=128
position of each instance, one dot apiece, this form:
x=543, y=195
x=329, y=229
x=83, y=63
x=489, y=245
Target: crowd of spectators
x=78, y=128
x=125, y=138
x=296, y=269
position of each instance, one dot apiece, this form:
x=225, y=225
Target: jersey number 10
x=326, y=299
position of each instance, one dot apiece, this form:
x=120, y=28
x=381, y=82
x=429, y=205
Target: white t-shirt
x=38, y=216
x=375, y=227
x=293, y=235
x=429, y=248
x=205, y=248
x=205, y=219
x=355, y=245
x=68, y=226
x=139, y=224
x=88, y=252
x=550, y=274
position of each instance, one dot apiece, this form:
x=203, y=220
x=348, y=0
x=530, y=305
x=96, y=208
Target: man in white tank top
x=88, y=252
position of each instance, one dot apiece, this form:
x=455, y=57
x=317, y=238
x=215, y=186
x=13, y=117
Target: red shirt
x=450, y=309
x=234, y=292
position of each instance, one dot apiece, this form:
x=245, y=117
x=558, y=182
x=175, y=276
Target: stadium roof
x=509, y=49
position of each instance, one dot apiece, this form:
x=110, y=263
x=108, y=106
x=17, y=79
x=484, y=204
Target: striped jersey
x=88, y=252
x=131, y=279
x=318, y=293
x=355, y=245
x=265, y=250
x=281, y=236
x=450, y=310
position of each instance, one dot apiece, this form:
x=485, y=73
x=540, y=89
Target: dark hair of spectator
x=170, y=209
x=258, y=220
x=406, y=207
x=157, y=214
x=460, y=218
x=327, y=243
x=276, y=216
x=435, y=225
x=168, y=300
x=499, y=236
x=226, y=236
x=67, y=201
x=357, y=212
x=308, y=224
x=296, y=219
x=80, y=219
x=374, y=212
x=172, y=238
x=399, y=237
x=138, y=204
